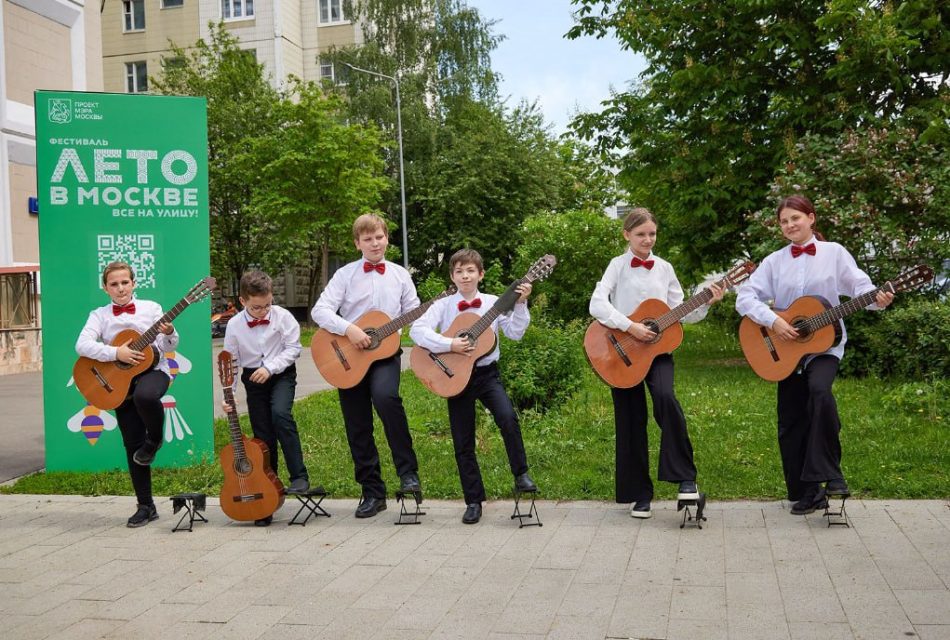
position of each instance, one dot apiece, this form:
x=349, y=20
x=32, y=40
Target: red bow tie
x=119, y=309
x=637, y=262
x=256, y=321
x=369, y=266
x=797, y=251
x=474, y=304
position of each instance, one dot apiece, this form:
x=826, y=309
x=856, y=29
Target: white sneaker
x=640, y=509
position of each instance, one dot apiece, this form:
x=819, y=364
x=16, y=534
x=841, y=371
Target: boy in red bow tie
x=264, y=340
x=467, y=271
x=141, y=417
x=368, y=284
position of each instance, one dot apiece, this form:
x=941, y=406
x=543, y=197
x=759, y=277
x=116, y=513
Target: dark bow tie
x=797, y=251
x=369, y=266
x=637, y=262
x=256, y=321
x=119, y=309
x=474, y=304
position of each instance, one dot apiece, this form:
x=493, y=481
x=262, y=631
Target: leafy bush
x=545, y=367
x=724, y=314
x=431, y=286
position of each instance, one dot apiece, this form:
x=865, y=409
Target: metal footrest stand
x=688, y=517
x=192, y=503
x=309, y=505
x=532, y=512
x=839, y=517
x=405, y=515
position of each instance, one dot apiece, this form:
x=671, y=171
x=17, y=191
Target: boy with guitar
x=264, y=339
x=372, y=283
x=630, y=279
x=808, y=423
x=141, y=416
x=466, y=270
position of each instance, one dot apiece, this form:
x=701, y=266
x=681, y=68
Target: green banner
x=122, y=177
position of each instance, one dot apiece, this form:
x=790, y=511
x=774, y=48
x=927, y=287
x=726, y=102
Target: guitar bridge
x=445, y=368
x=769, y=344
x=248, y=497
x=340, y=356
x=101, y=380
x=619, y=349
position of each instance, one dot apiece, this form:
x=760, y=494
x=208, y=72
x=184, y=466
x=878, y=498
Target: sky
x=537, y=62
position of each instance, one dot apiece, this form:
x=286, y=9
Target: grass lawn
x=894, y=438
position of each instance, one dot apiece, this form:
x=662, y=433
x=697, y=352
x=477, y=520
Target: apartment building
x=286, y=36
x=46, y=44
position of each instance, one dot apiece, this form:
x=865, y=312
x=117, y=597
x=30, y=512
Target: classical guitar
x=447, y=374
x=343, y=365
x=106, y=384
x=818, y=325
x=623, y=361
x=251, y=490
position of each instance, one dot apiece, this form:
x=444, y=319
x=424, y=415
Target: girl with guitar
x=630, y=279
x=808, y=423
x=141, y=416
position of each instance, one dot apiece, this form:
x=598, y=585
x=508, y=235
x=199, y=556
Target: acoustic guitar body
x=773, y=359
x=621, y=360
x=447, y=374
x=251, y=490
x=105, y=385
x=340, y=362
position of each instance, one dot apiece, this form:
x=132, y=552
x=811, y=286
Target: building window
x=136, y=77
x=326, y=71
x=231, y=9
x=133, y=13
x=169, y=4
x=331, y=11
x=18, y=301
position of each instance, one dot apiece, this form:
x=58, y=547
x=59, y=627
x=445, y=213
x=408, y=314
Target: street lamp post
x=402, y=175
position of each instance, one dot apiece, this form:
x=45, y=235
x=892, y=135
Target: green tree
x=730, y=87
x=241, y=104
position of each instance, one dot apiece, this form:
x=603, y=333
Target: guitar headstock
x=541, y=269
x=910, y=279
x=227, y=369
x=201, y=290
x=739, y=273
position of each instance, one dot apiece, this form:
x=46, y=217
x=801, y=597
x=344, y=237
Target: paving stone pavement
x=70, y=569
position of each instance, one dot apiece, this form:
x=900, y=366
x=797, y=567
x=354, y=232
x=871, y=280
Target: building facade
x=46, y=44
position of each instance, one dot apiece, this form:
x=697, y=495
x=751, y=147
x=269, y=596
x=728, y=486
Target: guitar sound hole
x=801, y=326
x=122, y=365
x=373, y=337
x=243, y=467
x=471, y=340
x=653, y=326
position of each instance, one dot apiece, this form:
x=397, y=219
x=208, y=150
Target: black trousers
x=809, y=427
x=379, y=389
x=633, y=450
x=485, y=386
x=270, y=408
x=142, y=416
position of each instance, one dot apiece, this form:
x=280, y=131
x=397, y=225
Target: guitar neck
x=505, y=303
x=680, y=311
x=838, y=312
x=234, y=426
x=149, y=336
x=409, y=317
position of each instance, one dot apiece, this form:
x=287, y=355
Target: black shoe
x=688, y=491
x=814, y=499
x=409, y=483
x=370, y=506
x=145, y=514
x=524, y=484
x=264, y=522
x=473, y=513
x=640, y=509
x=837, y=488
x=300, y=485
x=145, y=454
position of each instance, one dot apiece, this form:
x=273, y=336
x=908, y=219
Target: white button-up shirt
x=102, y=326
x=274, y=346
x=424, y=331
x=352, y=292
x=830, y=273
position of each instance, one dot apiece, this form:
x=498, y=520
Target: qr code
x=138, y=250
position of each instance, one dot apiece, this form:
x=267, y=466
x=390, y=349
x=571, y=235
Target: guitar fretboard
x=679, y=312
x=149, y=336
x=234, y=425
x=506, y=302
x=396, y=324
x=838, y=312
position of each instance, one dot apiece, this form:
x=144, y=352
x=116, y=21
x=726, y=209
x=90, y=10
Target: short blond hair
x=368, y=223
x=117, y=266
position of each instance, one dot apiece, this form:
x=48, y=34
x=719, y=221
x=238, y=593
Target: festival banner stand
x=122, y=177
